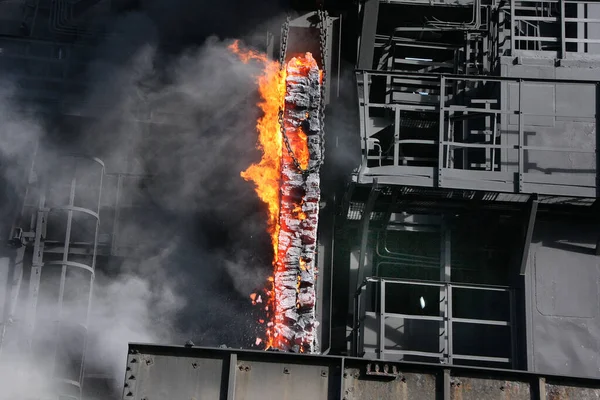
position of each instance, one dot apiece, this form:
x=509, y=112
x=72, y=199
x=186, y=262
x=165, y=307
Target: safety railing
x=482, y=133
x=563, y=27
x=371, y=301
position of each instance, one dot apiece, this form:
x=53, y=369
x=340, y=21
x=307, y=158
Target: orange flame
x=266, y=174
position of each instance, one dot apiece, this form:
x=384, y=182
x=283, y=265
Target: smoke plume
x=191, y=243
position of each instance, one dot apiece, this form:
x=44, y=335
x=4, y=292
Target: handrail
x=560, y=21
x=423, y=282
x=509, y=170
x=446, y=319
x=474, y=78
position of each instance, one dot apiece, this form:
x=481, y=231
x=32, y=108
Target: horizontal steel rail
x=559, y=21
x=381, y=315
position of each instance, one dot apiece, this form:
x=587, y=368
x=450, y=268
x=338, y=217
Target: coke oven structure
x=457, y=256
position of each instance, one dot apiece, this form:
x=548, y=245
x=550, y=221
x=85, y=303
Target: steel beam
x=232, y=375
x=446, y=385
x=366, y=47
x=533, y=206
x=198, y=372
x=366, y=220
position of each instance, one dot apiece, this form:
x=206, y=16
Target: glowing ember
x=291, y=194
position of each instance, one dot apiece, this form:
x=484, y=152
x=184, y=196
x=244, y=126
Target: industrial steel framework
x=472, y=212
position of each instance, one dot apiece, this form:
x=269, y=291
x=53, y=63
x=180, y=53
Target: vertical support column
x=512, y=29
x=582, y=28
x=363, y=99
x=446, y=385
x=488, y=151
x=449, y=160
x=513, y=330
x=355, y=325
x=381, y=341
x=13, y=290
x=397, y=136
x=342, y=378
x=366, y=219
x=563, y=43
x=36, y=271
x=525, y=281
x=445, y=300
x=539, y=388
x=441, y=139
x=495, y=122
x=521, y=140
x=232, y=376
x=450, y=326
x=531, y=215
x=526, y=286
x=366, y=46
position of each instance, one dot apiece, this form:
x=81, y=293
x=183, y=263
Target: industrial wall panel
x=564, y=273
x=565, y=135
x=409, y=386
x=576, y=100
x=467, y=388
x=158, y=377
x=542, y=111
x=555, y=273
x=285, y=381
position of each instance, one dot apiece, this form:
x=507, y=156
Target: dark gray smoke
x=186, y=117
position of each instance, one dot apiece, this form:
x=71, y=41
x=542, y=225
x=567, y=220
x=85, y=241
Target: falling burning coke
x=287, y=180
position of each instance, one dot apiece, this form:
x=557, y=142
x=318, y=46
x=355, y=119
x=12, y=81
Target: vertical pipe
x=382, y=319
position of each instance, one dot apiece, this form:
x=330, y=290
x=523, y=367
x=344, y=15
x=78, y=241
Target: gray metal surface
x=543, y=147
x=178, y=373
x=563, y=273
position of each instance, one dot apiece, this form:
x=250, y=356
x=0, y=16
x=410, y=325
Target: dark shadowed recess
x=184, y=22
